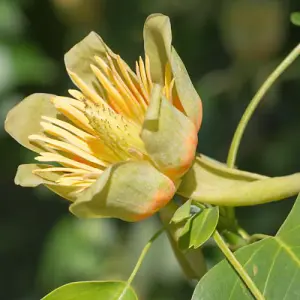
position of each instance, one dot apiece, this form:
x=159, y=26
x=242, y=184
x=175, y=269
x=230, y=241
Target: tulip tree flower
x=124, y=142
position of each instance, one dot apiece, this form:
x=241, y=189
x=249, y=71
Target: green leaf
x=199, y=228
x=295, y=18
x=24, y=119
x=182, y=213
x=203, y=226
x=130, y=191
x=191, y=261
x=209, y=181
x=165, y=129
x=273, y=264
x=185, y=234
x=108, y=290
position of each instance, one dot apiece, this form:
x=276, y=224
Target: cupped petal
x=170, y=137
x=24, y=119
x=130, y=191
x=157, y=43
x=187, y=94
x=25, y=177
x=210, y=181
x=79, y=58
x=158, y=47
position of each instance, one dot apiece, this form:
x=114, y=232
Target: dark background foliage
x=229, y=47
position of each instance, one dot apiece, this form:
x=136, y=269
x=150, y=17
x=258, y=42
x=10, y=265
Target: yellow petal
x=24, y=119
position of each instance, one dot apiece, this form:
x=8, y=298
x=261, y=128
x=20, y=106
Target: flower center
x=99, y=128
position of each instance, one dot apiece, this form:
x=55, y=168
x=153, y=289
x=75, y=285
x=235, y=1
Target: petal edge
x=131, y=191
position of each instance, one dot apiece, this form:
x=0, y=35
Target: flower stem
x=258, y=236
x=231, y=159
x=254, y=103
x=237, y=266
x=143, y=254
x=243, y=233
x=139, y=262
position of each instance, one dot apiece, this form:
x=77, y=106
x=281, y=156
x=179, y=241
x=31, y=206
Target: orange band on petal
x=198, y=121
x=160, y=199
x=187, y=160
x=177, y=103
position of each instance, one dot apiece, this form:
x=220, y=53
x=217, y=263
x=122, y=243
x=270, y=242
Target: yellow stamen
x=80, y=133
x=102, y=64
x=94, y=144
x=65, y=135
x=124, y=70
x=143, y=76
x=112, y=93
x=171, y=90
x=76, y=94
x=76, y=116
x=87, y=91
x=147, y=63
x=141, y=85
x=168, y=80
x=68, y=148
x=53, y=157
x=78, y=182
x=100, y=129
x=77, y=104
x=125, y=92
x=72, y=171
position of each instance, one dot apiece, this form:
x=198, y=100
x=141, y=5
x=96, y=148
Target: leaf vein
x=289, y=231
x=270, y=270
x=291, y=282
x=288, y=250
x=245, y=264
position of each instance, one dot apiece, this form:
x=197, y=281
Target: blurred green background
x=229, y=47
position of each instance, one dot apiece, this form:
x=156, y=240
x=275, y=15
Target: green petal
x=26, y=178
x=157, y=43
x=191, y=261
x=24, y=119
x=130, y=191
x=170, y=137
x=79, y=58
x=209, y=181
x=188, y=96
